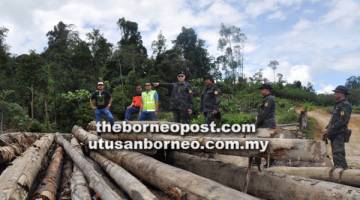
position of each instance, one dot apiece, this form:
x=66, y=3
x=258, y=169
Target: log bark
x=98, y=169
x=96, y=181
x=8, y=153
x=131, y=185
x=65, y=191
x=17, y=179
x=15, y=144
x=21, y=138
x=79, y=185
x=280, y=149
x=48, y=187
x=348, y=177
x=174, y=181
x=267, y=185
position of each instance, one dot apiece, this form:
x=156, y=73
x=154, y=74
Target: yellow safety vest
x=148, y=100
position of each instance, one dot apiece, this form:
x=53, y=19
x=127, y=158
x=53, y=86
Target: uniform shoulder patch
x=216, y=92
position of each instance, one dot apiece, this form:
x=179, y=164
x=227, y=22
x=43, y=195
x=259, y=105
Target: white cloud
x=152, y=16
x=344, y=12
x=325, y=89
x=278, y=15
x=290, y=72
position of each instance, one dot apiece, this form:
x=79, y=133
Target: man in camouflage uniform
x=337, y=128
x=181, y=100
x=266, y=115
x=210, y=100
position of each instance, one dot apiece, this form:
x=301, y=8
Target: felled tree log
x=13, y=144
x=79, y=186
x=17, y=179
x=177, y=182
x=48, y=187
x=21, y=138
x=65, y=191
x=131, y=185
x=279, y=149
x=96, y=181
x=347, y=177
x=8, y=153
x=268, y=185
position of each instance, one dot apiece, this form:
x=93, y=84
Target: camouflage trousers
x=338, y=151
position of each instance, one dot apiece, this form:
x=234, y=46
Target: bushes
x=285, y=112
x=14, y=116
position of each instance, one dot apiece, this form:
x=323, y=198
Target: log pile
x=12, y=145
x=61, y=166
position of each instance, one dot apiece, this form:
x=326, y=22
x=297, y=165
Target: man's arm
x=345, y=113
x=141, y=106
x=156, y=97
x=110, y=102
x=167, y=85
x=269, y=103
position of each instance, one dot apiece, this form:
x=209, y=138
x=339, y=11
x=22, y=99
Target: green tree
x=230, y=38
x=159, y=46
x=193, y=52
x=101, y=52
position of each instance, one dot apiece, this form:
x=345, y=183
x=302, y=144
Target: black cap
x=341, y=89
x=208, y=77
x=265, y=86
x=180, y=72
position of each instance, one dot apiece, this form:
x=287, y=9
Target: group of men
x=146, y=104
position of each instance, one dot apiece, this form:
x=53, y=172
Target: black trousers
x=181, y=116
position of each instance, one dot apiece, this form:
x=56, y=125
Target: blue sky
x=314, y=41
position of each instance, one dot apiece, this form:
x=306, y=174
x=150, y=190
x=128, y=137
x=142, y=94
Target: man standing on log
x=266, y=115
x=210, y=100
x=150, y=104
x=101, y=102
x=337, y=130
x=181, y=101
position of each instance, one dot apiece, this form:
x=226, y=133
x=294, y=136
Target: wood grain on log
x=17, y=179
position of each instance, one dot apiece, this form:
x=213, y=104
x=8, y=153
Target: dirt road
x=353, y=147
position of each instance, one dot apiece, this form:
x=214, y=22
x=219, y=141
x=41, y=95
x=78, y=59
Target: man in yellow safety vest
x=150, y=104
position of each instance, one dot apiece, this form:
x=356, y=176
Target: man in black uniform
x=266, y=115
x=181, y=100
x=337, y=130
x=210, y=100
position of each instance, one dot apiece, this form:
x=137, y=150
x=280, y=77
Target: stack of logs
x=60, y=166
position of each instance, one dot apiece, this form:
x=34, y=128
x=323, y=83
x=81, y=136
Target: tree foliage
x=55, y=84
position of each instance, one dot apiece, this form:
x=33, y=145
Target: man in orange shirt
x=135, y=105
